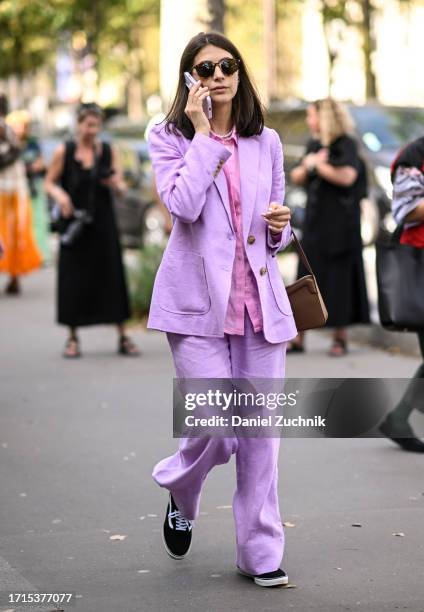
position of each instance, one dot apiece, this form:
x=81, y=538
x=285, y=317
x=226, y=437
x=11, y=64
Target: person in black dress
x=91, y=284
x=335, y=179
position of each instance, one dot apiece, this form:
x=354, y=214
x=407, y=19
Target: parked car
x=141, y=219
x=381, y=132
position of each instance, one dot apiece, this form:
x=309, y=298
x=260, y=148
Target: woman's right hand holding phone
x=194, y=108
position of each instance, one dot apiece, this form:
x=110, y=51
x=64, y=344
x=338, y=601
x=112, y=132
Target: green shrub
x=141, y=277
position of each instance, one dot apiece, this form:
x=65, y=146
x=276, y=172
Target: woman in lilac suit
x=218, y=293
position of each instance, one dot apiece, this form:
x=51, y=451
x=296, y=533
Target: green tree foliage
x=27, y=28
x=216, y=10
x=30, y=29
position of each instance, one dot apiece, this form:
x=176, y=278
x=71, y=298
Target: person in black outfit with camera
x=91, y=284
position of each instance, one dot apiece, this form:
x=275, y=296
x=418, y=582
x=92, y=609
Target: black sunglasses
x=207, y=68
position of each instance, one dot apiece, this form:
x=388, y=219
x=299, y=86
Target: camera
x=80, y=220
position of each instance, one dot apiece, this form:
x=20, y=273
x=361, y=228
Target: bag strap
x=395, y=237
x=93, y=178
x=67, y=159
x=106, y=153
x=301, y=253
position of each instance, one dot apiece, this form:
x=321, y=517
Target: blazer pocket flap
x=182, y=284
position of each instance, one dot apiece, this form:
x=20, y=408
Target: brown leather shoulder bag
x=308, y=307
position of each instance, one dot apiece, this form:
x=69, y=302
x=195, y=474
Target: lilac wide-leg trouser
x=259, y=530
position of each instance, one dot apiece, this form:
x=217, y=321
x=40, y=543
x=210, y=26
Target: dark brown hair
x=89, y=109
x=247, y=110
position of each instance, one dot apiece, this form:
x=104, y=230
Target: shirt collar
x=233, y=136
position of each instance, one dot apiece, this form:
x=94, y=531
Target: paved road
x=77, y=444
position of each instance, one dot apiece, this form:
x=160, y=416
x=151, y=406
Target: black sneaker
x=277, y=578
x=176, y=531
x=396, y=432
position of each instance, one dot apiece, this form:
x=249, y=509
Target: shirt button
x=262, y=271
x=251, y=239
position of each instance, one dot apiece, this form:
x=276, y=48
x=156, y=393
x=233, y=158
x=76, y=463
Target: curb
x=393, y=342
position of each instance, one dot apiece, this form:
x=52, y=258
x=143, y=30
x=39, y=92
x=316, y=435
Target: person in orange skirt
x=20, y=252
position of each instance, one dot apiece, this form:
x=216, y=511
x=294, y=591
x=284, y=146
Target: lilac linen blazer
x=193, y=282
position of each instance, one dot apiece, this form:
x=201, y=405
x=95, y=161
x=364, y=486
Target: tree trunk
x=332, y=56
x=93, y=39
x=216, y=9
x=368, y=47
x=270, y=49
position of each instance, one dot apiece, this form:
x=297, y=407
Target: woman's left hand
x=277, y=217
x=117, y=185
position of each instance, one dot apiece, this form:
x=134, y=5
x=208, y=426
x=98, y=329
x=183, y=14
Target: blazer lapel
x=249, y=150
x=221, y=184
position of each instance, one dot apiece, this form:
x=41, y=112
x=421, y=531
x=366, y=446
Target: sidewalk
x=78, y=441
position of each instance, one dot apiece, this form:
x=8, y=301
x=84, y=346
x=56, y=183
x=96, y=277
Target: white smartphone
x=207, y=102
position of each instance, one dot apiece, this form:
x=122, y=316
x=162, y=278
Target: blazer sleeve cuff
x=279, y=241
x=212, y=153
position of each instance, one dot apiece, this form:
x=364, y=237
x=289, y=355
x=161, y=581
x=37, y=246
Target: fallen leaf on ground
x=117, y=537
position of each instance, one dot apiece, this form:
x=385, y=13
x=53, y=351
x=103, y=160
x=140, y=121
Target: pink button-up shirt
x=244, y=292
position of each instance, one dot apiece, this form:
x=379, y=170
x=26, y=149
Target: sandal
x=72, y=350
x=127, y=347
x=295, y=347
x=13, y=287
x=338, y=348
